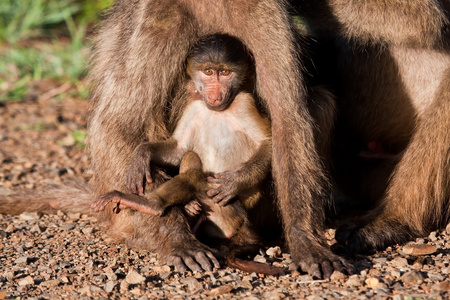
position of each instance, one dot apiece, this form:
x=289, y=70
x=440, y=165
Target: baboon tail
x=72, y=197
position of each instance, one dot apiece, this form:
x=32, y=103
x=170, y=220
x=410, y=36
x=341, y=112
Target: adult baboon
x=392, y=138
x=137, y=69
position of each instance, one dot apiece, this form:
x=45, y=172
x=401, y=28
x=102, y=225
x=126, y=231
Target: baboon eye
x=225, y=72
x=208, y=72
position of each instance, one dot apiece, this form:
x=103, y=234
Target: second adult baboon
x=392, y=140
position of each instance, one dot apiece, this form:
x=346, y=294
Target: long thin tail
x=72, y=197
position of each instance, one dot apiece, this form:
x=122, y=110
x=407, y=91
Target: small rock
x=421, y=249
x=224, y=289
x=109, y=286
x=10, y=229
x=134, y=277
x=161, y=269
x=395, y=273
x=21, y=260
x=87, y=230
x=373, y=282
x=74, y=216
x=9, y=276
x=380, y=260
x=4, y=191
x=50, y=283
x=26, y=281
x=136, y=291
x=36, y=229
x=274, y=252
x=274, y=295
x=433, y=236
x=192, y=283
x=412, y=277
x=314, y=297
x=165, y=275
x=337, y=276
x=260, y=259
x=442, y=286
x=399, y=262
x=246, y=284
x=353, y=281
x=68, y=226
x=29, y=216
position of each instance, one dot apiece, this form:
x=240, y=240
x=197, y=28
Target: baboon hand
x=321, y=265
x=137, y=174
x=223, y=187
x=194, y=257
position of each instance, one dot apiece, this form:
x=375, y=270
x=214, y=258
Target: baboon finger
x=192, y=264
x=312, y=269
x=327, y=269
x=204, y=261
x=213, y=259
x=176, y=262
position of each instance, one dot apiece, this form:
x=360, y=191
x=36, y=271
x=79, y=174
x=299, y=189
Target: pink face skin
x=214, y=86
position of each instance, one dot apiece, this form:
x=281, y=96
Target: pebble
x=442, y=286
x=10, y=228
x=259, y=258
x=50, y=283
x=399, y=262
x=373, y=282
x=4, y=191
x=353, y=280
x=26, y=281
x=68, y=226
x=274, y=295
x=224, y=289
x=21, y=260
x=412, y=277
x=134, y=277
x=192, y=283
x=87, y=230
x=29, y=216
x=419, y=249
x=337, y=276
x=109, y=286
x=36, y=229
x=274, y=252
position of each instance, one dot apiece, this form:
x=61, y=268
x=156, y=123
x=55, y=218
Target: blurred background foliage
x=45, y=40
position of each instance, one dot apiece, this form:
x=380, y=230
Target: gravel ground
x=67, y=256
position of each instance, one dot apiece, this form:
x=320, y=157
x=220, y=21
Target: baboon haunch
x=392, y=136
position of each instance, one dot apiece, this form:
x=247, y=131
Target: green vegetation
x=44, y=39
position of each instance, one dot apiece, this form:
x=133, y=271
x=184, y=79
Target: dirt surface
x=67, y=255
